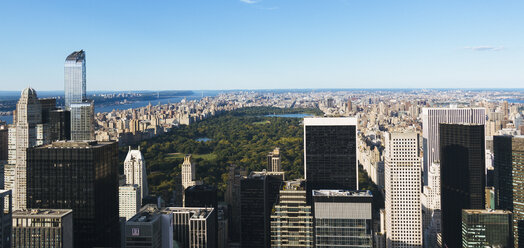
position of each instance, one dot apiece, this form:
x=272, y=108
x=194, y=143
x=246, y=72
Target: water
x=204, y=139
x=301, y=115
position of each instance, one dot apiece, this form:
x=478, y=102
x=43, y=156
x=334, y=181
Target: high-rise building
x=6, y=218
x=129, y=200
x=26, y=131
x=343, y=218
x=75, y=78
x=432, y=117
x=135, y=171
x=258, y=193
x=292, y=219
x=4, y=134
x=82, y=120
x=462, y=175
x=149, y=228
x=188, y=172
x=509, y=180
x=486, y=228
x=273, y=161
x=43, y=228
x=82, y=176
x=430, y=200
x=232, y=198
x=193, y=227
x=330, y=153
x=202, y=195
x=402, y=181
x=59, y=125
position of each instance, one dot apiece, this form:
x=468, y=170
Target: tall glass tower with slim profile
x=75, y=78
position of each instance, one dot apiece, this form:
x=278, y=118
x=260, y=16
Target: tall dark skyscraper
x=258, y=194
x=503, y=171
x=330, y=153
x=462, y=176
x=82, y=176
x=59, y=125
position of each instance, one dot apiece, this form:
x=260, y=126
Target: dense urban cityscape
x=355, y=168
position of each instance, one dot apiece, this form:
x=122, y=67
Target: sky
x=264, y=44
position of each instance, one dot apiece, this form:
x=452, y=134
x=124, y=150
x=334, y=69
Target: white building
x=431, y=117
x=188, y=172
x=129, y=200
x=135, y=171
x=402, y=181
x=431, y=206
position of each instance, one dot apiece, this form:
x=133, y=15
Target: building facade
x=462, y=176
x=194, y=227
x=273, y=160
x=432, y=117
x=129, y=200
x=82, y=176
x=292, y=219
x=75, y=78
x=402, y=181
x=6, y=218
x=343, y=218
x=82, y=120
x=135, y=171
x=149, y=228
x=43, y=228
x=330, y=153
x=486, y=228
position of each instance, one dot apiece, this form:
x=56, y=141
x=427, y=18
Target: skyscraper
x=45, y=228
x=188, y=172
x=432, y=117
x=82, y=176
x=292, y=218
x=343, y=218
x=486, y=228
x=431, y=205
x=402, y=184
x=330, y=153
x=75, y=78
x=26, y=131
x=129, y=200
x=509, y=180
x=462, y=175
x=273, y=161
x=258, y=194
x=82, y=120
x=135, y=171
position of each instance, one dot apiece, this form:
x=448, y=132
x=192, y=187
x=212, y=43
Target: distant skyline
x=264, y=44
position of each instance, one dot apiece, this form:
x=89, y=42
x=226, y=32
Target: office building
x=486, y=228
x=343, y=218
x=258, y=193
x=82, y=120
x=430, y=200
x=201, y=196
x=432, y=117
x=135, y=171
x=75, y=78
x=462, y=175
x=44, y=228
x=129, y=201
x=193, y=227
x=149, y=228
x=59, y=125
x=509, y=180
x=82, y=176
x=273, y=161
x=330, y=153
x=292, y=219
x=232, y=198
x=26, y=131
x=6, y=218
x=402, y=181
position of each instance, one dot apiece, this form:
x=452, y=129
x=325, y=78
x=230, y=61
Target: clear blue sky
x=249, y=44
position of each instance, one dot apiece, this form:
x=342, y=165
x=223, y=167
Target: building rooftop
x=196, y=213
x=330, y=121
x=342, y=193
x=74, y=144
x=261, y=174
x=76, y=56
x=41, y=213
x=486, y=211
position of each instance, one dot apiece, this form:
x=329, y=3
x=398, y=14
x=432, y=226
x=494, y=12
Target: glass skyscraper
x=75, y=78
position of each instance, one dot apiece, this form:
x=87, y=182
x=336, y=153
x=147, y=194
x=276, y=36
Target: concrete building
x=330, y=153
x=193, y=227
x=258, y=193
x=432, y=117
x=273, y=161
x=486, y=228
x=430, y=200
x=149, y=228
x=402, y=179
x=188, y=172
x=43, y=228
x=292, y=219
x=82, y=176
x=343, y=218
x=129, y=201
x=462, y=176
x=135, y=171
x=6, y=218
